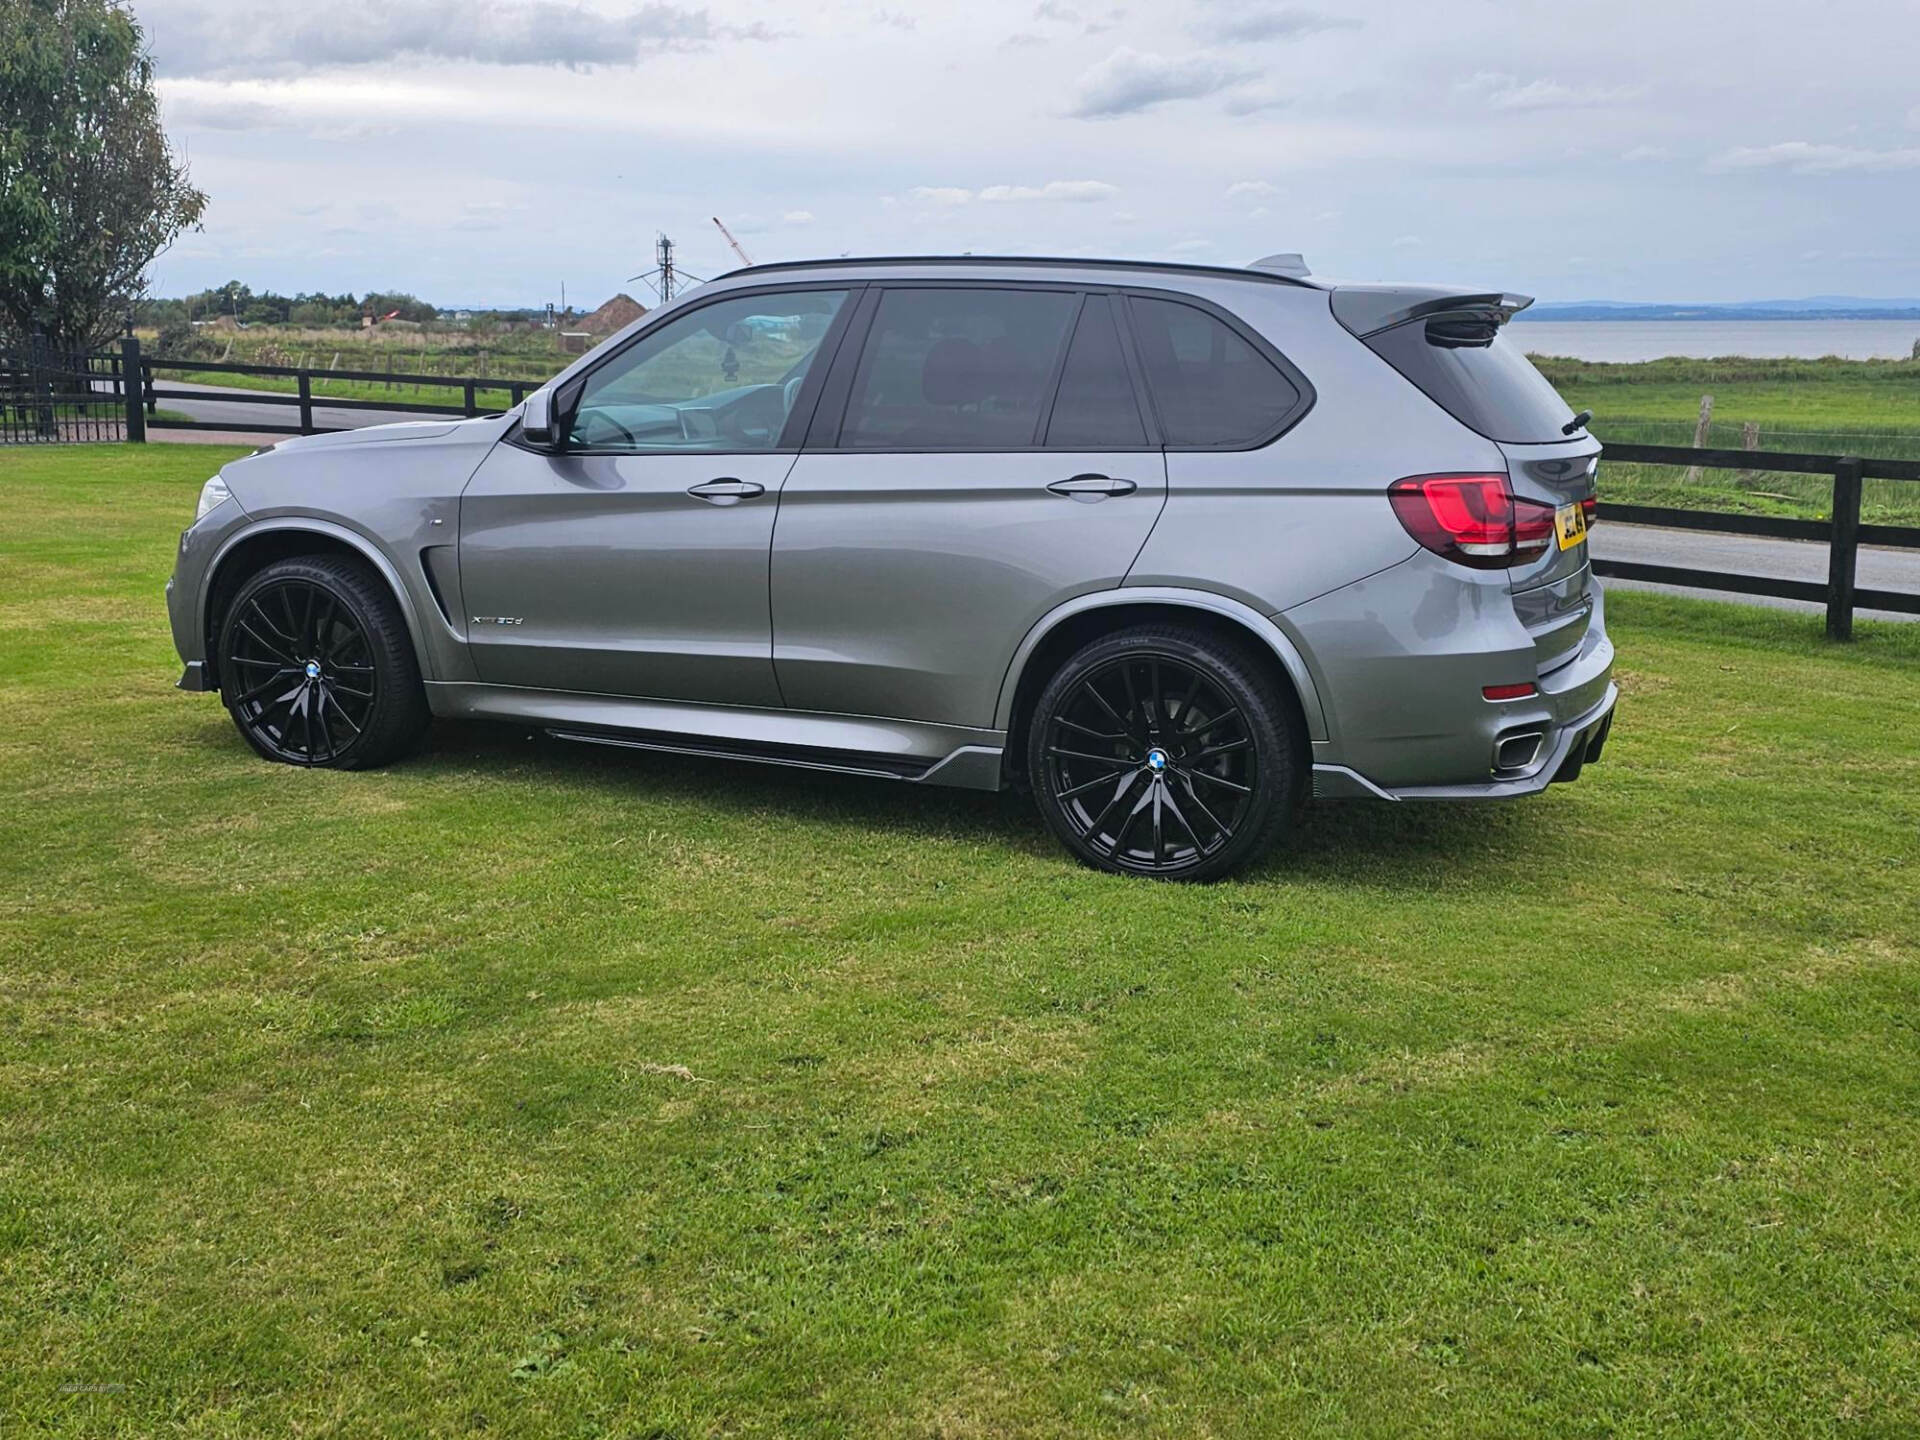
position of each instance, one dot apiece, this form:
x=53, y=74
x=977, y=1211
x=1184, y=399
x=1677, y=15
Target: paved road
x=225, y=406
x=1750, y=555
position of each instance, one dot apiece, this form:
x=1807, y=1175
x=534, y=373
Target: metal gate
x=50, y=396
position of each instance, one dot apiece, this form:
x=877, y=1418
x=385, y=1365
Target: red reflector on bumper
x=1510, y=692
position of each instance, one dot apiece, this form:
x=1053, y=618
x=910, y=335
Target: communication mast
x=665, y=276
x=663, y=262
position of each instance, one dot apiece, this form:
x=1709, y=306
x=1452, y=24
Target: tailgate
x=1553, y=596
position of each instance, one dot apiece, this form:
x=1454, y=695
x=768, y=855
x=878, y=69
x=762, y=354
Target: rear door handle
x=1092, y=487
x=727, y=491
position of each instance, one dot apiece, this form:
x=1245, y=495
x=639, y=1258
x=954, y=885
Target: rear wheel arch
x=1052, y=642
x=246, y=555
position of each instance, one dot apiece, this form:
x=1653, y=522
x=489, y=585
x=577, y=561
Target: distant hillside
x=1815, y=307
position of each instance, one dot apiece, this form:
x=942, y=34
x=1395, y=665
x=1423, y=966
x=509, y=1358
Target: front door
x=632, y=560
x=992, y=462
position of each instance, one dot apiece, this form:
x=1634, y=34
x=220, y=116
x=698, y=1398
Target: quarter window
x=1096, y=408
x=957, y=369
x=723, y=377
x=1210, y=386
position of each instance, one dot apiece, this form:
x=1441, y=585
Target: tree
x=89, y=191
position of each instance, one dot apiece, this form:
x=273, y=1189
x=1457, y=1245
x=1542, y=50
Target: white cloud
x=1408, y=242
x=1128, y=81
x=1802, y=158
x=1251, y=188
x=1646, y=152
x=196, y=37
x=1508, y=92
x=1076, y=191
x=1080, y=192
x=939, y=195
x=1241, y=24
x=797, y=217
x=1190, y=247
x=315, y=100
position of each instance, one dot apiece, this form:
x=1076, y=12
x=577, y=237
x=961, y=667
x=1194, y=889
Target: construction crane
x=745, y=259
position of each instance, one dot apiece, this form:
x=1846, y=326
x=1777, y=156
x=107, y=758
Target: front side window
x=957, y=369
x=723, y=377
x=1211, y=386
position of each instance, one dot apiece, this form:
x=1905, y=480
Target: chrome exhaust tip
x=1519, y=751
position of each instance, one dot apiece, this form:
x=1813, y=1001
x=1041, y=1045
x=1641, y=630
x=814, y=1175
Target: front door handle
x=727, y=491
x=1092, y=487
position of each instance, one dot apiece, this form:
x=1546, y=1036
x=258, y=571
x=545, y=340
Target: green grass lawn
x=1817, y=407
x=539, y=1090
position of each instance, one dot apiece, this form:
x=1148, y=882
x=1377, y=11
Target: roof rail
x=1073, y=261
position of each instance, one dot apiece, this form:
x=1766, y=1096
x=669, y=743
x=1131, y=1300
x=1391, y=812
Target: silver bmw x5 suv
x=1174, y=547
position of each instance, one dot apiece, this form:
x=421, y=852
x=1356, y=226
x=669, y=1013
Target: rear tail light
x=1473, y=520
x=1590, y=509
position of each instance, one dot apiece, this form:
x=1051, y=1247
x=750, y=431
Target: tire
x=317, y=668
x=1167, y=752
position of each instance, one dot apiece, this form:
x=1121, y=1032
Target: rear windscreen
x=1470, y=369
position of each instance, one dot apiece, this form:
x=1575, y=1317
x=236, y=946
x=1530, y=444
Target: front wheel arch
x=248, y=553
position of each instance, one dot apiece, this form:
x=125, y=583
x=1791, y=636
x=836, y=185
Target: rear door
x=982, y=456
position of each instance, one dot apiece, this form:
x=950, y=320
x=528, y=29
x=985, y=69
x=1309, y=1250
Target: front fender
x=432, y=666
x=1264, y=628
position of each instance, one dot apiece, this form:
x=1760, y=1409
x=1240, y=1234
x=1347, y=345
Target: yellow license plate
x=1570, y=524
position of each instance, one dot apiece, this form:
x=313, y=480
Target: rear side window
x=1096, y=408
x=957, y=369
x=1469, y=368
x=1211, y=386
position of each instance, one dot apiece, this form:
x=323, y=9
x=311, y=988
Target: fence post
x=1701, y=430
x=517, y=391
x=147, y=388
x=131, y=390
x=40, y=387
x=472, y=409
x=1843, y=548
x=306, y=403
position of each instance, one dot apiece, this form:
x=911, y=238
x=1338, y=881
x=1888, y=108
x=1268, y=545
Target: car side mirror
x=536, y=419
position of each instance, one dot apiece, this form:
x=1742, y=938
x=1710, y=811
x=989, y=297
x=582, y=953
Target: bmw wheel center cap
x=1156, y=759
x=313, y=669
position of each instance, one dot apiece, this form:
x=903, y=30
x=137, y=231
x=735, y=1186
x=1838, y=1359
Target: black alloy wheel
x=316, y=667
x=1163, y=752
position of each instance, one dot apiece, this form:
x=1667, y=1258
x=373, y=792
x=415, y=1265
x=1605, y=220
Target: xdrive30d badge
x=1173, y=547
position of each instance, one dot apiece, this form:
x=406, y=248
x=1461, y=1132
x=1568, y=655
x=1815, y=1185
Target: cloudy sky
x=489, y=153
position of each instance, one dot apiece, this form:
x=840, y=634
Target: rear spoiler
x=1368, y=309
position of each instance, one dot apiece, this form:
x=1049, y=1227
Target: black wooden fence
x=302, y=400
x=1843, y=534
x=49, y=397
x=53, y=396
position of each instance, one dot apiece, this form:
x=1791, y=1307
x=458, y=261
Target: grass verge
x=551, y=1091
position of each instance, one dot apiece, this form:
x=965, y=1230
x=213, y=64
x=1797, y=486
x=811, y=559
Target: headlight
x=211, y=494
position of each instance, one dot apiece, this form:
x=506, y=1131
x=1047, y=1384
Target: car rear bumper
x=1575, y=746
x=1405, y=657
